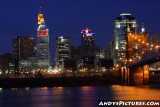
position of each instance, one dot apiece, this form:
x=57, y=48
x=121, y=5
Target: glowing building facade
x=87, y=37
x=63, y=51
x=40, y=18
x=88, y=43
x=43, y=50
x=123, y=24
x=89, y=53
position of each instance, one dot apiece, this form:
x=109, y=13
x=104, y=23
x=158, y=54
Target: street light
x=130, y=60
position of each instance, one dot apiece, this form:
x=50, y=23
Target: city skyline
x=99, y=20
x=79, y=53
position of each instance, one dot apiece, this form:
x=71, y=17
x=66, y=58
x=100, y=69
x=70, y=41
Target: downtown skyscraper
x=123, y=24
x=23, y=47
x=87, y=37
x=88, y=46
x=43, y=49
x=63, y=51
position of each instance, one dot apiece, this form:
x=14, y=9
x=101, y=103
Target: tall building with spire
x=43, y=49
x=122, y=25
x=40, y=17
x=143, y=28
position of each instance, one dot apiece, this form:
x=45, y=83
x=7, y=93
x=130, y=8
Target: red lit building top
x=86, y=31
x=43, y=33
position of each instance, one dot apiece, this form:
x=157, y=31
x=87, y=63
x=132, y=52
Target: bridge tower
x=137, y=44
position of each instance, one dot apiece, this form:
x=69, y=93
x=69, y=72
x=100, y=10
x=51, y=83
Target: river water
x=74, y=96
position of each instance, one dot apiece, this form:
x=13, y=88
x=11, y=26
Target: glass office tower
x=123, y=24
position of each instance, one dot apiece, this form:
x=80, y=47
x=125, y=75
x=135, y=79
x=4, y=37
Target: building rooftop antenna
x=40, y=9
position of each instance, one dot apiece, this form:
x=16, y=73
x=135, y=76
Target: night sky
x=69, y=17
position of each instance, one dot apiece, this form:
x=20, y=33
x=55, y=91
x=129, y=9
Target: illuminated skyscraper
x=88, y=52
x=40, y=17
x=87, y=37
x=123, y=24
x=62, y=51
x=43, y=50
x=88, y=44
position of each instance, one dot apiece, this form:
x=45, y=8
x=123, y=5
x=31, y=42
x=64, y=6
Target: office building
x=87, y=37
x=88, y=52
x=4, y=63
x=155, y=39
x=23, y=47
x=87, y=64
x=122, y=25
x=70, y=66
x=110, y=50
x=88, y=46
x=28, y=65
x=63, y=50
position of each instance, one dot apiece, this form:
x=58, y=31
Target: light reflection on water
x=135, y=93
x=75, y=96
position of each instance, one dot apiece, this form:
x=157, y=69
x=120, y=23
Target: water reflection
x=75, y=96
x=87, y=96
x=135, y=93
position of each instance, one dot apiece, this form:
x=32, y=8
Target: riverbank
x=63, y=81
x=59, y=81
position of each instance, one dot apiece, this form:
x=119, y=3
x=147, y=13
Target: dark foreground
x=59, y=81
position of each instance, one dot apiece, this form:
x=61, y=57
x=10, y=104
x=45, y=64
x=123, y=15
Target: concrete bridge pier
x=135, y=75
